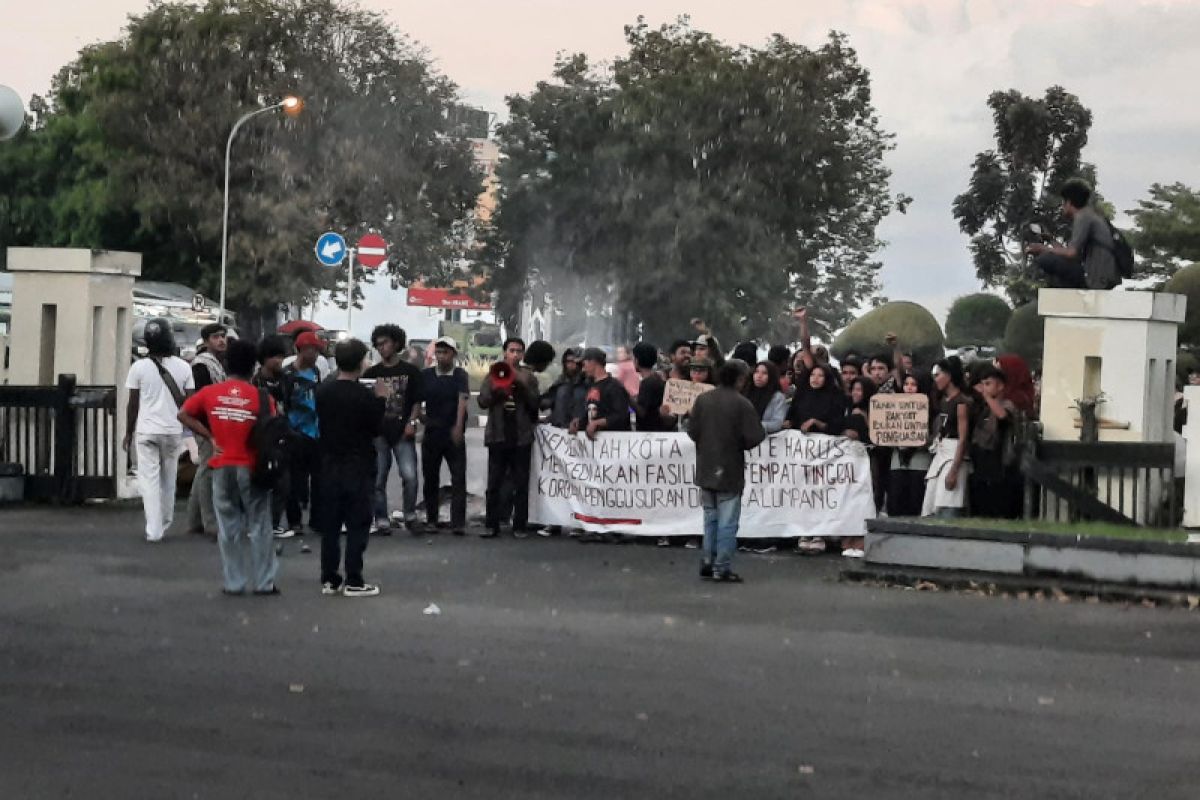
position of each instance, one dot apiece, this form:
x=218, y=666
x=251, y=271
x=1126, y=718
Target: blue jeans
x=405, y=454
x=244, y=531
x=722, y=511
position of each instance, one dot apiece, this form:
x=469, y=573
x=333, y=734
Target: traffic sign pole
x=349, y=290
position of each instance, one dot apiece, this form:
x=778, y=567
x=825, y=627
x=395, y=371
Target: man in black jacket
x=724, y=425
x=566, y=393
x=270, y=376
x=512, y=406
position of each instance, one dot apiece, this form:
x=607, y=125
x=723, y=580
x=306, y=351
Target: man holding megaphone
x=510, y=396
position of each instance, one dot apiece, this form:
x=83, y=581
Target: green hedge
x=977, y=320
x=915, y=327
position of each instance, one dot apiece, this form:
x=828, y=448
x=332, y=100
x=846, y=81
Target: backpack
x=1012, y=445
x=271, y=437
x=1121, y=251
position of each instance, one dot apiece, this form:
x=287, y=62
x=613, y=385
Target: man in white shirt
x=157, y=387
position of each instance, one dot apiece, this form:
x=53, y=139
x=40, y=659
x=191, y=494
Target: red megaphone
x=502, y=376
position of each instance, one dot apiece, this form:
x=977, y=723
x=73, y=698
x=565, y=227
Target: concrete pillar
x=1121, y=344
x=1191, y=435
x=72, y=314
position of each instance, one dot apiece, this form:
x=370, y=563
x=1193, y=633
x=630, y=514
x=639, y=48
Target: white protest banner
x=679, y=395
x=643, y=483
x=900, y=420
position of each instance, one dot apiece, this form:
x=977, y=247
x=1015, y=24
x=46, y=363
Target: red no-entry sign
x=372, y=250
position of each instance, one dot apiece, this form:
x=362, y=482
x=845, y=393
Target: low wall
x=909, y=543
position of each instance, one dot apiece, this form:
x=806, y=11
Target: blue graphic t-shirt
x=302, y=410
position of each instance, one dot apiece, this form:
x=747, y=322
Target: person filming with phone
x=1089, y=260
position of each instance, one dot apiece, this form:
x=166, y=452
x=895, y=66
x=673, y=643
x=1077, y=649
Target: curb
x=964, y=580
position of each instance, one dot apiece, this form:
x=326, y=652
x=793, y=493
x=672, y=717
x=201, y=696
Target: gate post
x=1191, y=482
x=64, y=439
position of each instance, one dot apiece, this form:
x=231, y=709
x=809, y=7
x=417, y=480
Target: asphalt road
x=560, y=670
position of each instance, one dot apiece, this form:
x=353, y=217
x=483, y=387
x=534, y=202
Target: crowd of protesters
x=346, y=424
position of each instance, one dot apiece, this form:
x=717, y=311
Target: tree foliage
x=129, y=152
x=1038, y=146
x=977, y=319
x=695, y=179
x=1168, y=229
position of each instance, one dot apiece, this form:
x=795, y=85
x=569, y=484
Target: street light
x=291, y=106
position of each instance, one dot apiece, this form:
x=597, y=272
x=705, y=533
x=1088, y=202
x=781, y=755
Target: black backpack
x=271, y=437
x=1122, y=252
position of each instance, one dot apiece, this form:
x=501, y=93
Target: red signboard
x=444, y=298
x=372, y=250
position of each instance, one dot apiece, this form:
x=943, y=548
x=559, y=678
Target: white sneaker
x=853, y=552
x=328, y=588
x=284, y=533
x=366, y=590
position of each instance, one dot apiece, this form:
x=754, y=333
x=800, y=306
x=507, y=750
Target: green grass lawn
x=1105, y=530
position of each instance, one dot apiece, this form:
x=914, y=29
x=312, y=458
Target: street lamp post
x=291, y=106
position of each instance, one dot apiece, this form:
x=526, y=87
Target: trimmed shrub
x=977, y=320
x=913, y=325
x=1187, y=282
x=1025, y=335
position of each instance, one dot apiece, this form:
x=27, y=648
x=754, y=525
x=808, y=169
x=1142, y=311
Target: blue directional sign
x=331, y=249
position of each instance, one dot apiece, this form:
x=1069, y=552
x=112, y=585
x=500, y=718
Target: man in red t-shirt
x=225, y=413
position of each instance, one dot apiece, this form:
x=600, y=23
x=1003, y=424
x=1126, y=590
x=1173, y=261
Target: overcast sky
x=933, y=62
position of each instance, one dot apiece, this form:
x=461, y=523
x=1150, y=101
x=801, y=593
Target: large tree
x=1039, y=145
x=142, y=124
x=695, y=179
x=1168, y=229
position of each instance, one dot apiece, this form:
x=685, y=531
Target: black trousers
x=346, y=494
x=508, y=486
x=1064, y=273
x=304, y=472
x=996, y=496
x=279, y=496
x=436, y=447
x=906, y=492
x=881, y=466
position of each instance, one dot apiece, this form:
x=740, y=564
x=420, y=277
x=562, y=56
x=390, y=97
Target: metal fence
x=1131, y=483
x=64, y=437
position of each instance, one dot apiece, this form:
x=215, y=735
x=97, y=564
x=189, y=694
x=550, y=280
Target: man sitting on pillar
x=1088, y=261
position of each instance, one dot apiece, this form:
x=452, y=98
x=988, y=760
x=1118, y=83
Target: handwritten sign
x=900, y=420
x=680, y=395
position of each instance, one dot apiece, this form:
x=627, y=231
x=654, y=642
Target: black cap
x=595, y=354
